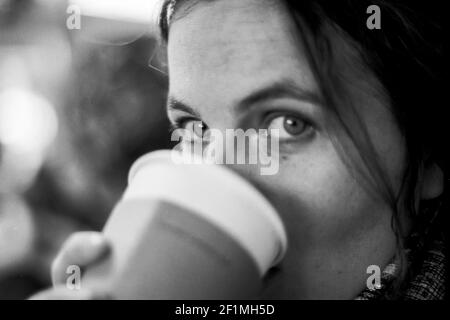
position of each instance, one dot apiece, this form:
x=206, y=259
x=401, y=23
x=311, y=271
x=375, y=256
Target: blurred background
x=81, y=97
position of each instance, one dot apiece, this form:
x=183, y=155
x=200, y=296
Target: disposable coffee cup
x=188, y=231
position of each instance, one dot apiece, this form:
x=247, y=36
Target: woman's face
x=223, y=52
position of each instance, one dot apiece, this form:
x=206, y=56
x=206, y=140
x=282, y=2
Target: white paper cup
x=188, y=231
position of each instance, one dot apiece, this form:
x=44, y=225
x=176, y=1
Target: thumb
x=81, y=250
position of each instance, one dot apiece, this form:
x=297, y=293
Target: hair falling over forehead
x=405, y=58
x=167, y=12
x=169, y=9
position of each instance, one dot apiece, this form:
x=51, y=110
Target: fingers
x=62, y=293
x=81, y=249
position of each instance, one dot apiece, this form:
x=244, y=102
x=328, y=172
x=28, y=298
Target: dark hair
x=406, y=57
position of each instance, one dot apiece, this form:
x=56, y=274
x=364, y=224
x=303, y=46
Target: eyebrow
x=174, y=104
x=277, y=90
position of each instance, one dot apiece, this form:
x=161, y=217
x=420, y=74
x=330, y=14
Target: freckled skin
x=219, y=52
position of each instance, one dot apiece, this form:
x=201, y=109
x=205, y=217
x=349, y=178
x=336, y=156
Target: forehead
x=233, y=46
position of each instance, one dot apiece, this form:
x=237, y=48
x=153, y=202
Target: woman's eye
x=289, y=126
x=196, y=128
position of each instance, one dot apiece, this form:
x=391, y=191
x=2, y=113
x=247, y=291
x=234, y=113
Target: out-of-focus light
x=28, y=121
x=17, y=233
x=135, y=11
x=113, y=22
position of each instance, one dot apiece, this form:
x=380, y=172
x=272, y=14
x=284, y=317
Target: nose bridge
x=236, y=149
x=246, y=150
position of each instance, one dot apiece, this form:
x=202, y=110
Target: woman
x=361, y=172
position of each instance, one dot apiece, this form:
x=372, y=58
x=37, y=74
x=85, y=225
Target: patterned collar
x=425, y=263
x=427, y=284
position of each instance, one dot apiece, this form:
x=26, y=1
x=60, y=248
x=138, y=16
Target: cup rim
x=162, y=157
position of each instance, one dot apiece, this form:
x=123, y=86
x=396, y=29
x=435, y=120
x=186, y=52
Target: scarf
x=425, y=266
